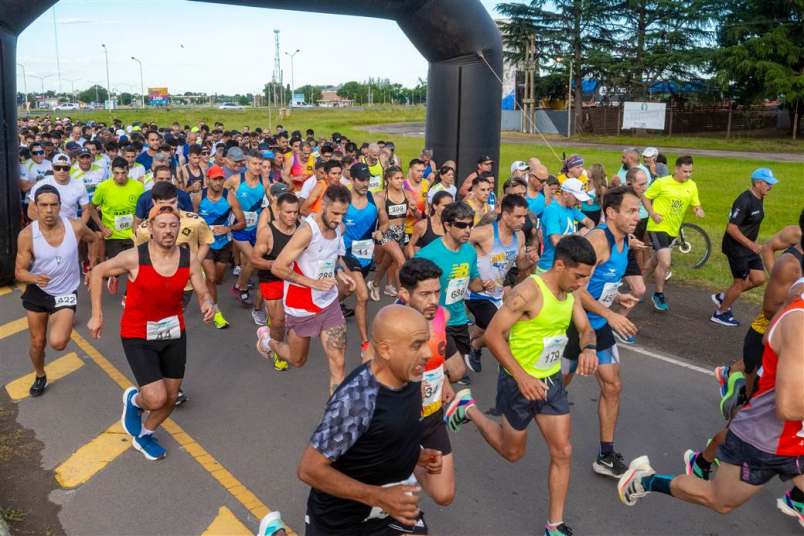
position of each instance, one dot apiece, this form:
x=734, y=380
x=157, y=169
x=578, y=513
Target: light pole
x=56, y=41
x=292, y=72
x=24, y=84
x=108, y=79
x=142, y=86
x=72, y=85
x=42, y=79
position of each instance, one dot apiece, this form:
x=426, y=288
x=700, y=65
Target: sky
x=207, y=47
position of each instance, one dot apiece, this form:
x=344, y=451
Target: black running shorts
x=151, y=361
x=36, y=300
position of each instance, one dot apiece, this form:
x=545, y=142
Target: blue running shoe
x=561, y=530
x=149, y=447
x=455, y=414
x=692, y=468
x=473, y=359
x=791, y=508
x=624, y=339
x=722, y=377
x=131, y=419
x=271, y=524
x=659, y=303
x=724, y=319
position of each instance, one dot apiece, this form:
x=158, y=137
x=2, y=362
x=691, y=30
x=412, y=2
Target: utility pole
x=42, y=79
x=56, y=41
x=142, y=86
x=72, y=86
x=528, y=100
x=276, y=76
x=292, y=72
x=24, y=84
x=569, y=101
x=108, y=79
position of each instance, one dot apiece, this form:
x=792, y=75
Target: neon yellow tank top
x=376, y=182
x=538, y=343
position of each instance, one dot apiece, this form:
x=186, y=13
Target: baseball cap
x=156, y=210
x=765, y=175
x=268, y=154
x=650, y=152
x=215, y=172
x=84, y=152
x=72, y=146
x=61, y=159
x=360, y=171
x=575, y=187
x=278, y=188
x=485, y=158
x=236, y=154
x=519, y=165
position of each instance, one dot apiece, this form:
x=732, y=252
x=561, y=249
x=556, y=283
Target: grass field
x=719, y=180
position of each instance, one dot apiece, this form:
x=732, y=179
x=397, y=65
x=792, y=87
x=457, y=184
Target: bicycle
x=692, y=246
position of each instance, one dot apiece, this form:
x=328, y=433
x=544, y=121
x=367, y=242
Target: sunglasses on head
x=462, y=224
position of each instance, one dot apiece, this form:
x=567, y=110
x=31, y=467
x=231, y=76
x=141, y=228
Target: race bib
x=163, y=330
x=432, y=386
x=379, y=513
x=609, y=293
x=456, y=290
x=363, y=249
x=124, y=223
x=68, y=300
x=397, y=210
x=326, y=269
x=375, y=183
x=251, y=218
x=552, y=351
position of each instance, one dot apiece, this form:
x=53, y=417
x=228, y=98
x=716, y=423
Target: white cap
x=120, y=132
x=575, y=187
x=519, y=165
x=62, y=159
x=650, y=152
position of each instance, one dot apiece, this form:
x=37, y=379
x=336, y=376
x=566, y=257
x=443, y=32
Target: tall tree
x=96, y=93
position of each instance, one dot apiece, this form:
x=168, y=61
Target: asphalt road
x=255, y=423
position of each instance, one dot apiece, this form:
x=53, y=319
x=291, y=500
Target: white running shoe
x=630, y=488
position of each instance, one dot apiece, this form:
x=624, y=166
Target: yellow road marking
x=93, y=456
x=5, y=290
x=226, y=524
x=56, y=369
x=226, y=479
x=15, y=326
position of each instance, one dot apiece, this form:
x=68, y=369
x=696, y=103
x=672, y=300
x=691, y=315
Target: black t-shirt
x=746, y=213
x=370, y=433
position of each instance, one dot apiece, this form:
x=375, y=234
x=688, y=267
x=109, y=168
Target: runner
x=500, y=246
x=431, y=228
x=152, y=325
x=376, y=168
x=637, y=252
x=478, y=200
x=536, y=314
x=538, y=195
x=222, y=218
x=444, y=182
x=459, y=273
x=666, y=200
x=331, y=171
x=47, y=262
x=610, y=241
x=191, y=175
x=312, y=272
x=136, y=171
x=740, y=245
x=559, y=219
x=416, y=186
x=160, y=173
x=272, y=237
x=484, y=165
x=73, y=196
x=363, y=471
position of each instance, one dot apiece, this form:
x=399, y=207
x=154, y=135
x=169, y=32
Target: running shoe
x=243, y=298
x=790, y=507
x=630, y=339
x=112, y=284
x=391, y=291
x=722, y=377
x=280, y=365
x=271, y=524
x=473, y=359
x=659, y=303
x=717, y=299
x=374, y=291
x=131, y=419
x=347, y=311
x=561, y=530
x=455, y=415
x=38, y=386
x=611, y=464
x=258, y=315
x=692, y=468
x=149, y=447
x=731, y=397
x=630, y=488
x=364, y=346
x=219, y=321
x=263, y=334
x=181, y=398
x=724, y=319
x=236, y=271
x=466, y=380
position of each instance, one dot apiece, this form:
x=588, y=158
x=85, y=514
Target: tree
x=125, y=99
x=354, y=91
x=96, y=93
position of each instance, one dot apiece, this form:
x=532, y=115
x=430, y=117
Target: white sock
x=555, y=525
x=265, y=343
x=145, y=432
x=134, y=401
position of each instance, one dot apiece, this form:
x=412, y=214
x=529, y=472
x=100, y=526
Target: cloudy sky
x=196, y=46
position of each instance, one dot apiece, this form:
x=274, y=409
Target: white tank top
x=59, y=263
x=318, y=261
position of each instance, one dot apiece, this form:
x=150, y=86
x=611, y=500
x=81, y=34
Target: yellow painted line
x=15, y=326
x=5, y=290
x=226, y=524
x=21, y=287
x=92, y=457
x=55, y=370
x=226, y=479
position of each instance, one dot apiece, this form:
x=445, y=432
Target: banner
x=158, y=96
x=647, y=115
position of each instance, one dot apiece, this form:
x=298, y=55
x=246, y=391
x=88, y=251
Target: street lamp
x=42, y=79
x=292, y=72
x=72, y=85
x=142, y=86
x=24, y=83
x=108, y=79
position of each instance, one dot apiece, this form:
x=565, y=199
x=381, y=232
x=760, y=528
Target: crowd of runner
x=541, y=270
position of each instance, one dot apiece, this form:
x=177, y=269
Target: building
x=330, y=99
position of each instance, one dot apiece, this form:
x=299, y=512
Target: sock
x=606, y=447
x=145, y=432
x=264, y=344
x=134, y=401
x=705, y=465
x=660, y=483
x=553, y=525
x=659, y=294
x=797, y=495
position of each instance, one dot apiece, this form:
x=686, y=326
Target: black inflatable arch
x=457, y=37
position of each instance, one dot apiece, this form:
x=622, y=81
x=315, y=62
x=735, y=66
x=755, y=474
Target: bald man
x=538, y=192
x=361, y=458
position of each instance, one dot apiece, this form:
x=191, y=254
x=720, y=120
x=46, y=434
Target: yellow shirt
x=584, y=178
x=670, y=200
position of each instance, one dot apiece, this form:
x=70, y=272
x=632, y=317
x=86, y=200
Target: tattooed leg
x=334, y=342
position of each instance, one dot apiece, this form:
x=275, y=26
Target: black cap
x=485, y=158
x=84, y=152
x=360, y=171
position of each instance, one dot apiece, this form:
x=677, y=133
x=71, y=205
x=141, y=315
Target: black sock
x=796, y=494
x=702, y=463
x=606, y=447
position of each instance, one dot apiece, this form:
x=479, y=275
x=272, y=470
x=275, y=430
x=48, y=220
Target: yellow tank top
x=537, y=344
x=376, y=182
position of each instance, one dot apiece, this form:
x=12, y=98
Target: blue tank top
x=495, y=266
x=360, y=224
x=606, y=277
x=250, y=198
x=216, y=213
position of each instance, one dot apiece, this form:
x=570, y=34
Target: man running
x=73, y=196
x=271, y=240
x=365, y=456
x=247, y=192
x=312, y=270
x=559, y=219
x=536, y=315
x=152, y=325
x=47, y=262
x=667, y=200
x=610, y=242
x=740, y=245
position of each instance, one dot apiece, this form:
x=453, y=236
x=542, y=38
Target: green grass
x=716, y=141
x=719, y=180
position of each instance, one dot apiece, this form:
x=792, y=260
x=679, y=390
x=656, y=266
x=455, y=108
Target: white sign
x=648, y=115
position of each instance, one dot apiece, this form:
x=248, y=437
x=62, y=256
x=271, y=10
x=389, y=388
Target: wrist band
x=590, y=347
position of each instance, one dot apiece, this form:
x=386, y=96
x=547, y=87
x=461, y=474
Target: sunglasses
x=37, y=152
x=61, y=168
x=462, y=224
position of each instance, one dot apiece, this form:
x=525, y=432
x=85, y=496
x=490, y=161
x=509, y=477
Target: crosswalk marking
x=226, y=524
x=92, y=457
x=56, y=369
x=15, y=326
x=6, y=290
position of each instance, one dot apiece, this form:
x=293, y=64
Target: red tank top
x=153, y=308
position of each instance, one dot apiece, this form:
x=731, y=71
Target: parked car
x=230, y=106
x=67, y=106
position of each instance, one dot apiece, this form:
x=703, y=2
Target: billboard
x=647, y=115
x=158, y=96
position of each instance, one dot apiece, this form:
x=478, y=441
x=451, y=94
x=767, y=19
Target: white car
x=67, y=106
x=230, y=106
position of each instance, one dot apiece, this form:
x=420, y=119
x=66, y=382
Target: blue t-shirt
x=560, y=220
x=536, y=204
x=458, y=268
x=145, y=203
x=359, y=225
x=146, y=160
